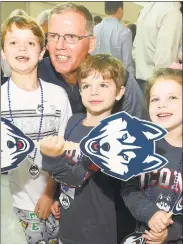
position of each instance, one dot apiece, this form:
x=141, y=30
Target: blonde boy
x=39, y=109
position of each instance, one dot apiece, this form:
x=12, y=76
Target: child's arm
x=43, y=206
x=58, y=166
x=139, y=205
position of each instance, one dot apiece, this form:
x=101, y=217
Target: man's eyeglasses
x=69, y=38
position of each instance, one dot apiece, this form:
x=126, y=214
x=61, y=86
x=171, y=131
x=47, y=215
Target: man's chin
x=61, y=69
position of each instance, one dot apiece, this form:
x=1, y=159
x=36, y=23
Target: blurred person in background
x=97, y=19
x=133, y=29
x=113, y=37
x=42, y=19
x=157, y=41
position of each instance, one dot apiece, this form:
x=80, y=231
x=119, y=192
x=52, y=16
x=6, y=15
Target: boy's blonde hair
x=165, y=73
x=23, y=22
x=71, y=6
x=18, y=12
x=104, y=64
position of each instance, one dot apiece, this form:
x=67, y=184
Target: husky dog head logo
x=14, y=146
x=64, y=200
x=164, y=202
x=40, y=108
x=124, y=146
x=135, y=238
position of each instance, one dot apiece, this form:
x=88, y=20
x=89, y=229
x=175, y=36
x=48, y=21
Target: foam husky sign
x=15, y=146
x=121, y=145
x=124, y=146
x=135, y=238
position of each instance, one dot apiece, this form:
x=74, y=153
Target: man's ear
x=92, y=44
x=42, y=54
x=120, y=93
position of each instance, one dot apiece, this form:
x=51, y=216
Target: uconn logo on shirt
x=163, y=178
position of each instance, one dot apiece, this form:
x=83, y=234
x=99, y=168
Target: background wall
x=131, y=9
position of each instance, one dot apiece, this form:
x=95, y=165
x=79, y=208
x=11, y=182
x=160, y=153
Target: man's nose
x=61, y=43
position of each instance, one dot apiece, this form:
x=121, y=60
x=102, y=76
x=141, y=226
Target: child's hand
x=52, y=146
x=43, y=207
x=155, y=238
x=55, y=209
x=159, y=221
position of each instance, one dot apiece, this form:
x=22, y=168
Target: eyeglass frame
x=58, y=37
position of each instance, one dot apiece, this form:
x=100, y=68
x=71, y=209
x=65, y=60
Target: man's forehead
x=68, y=18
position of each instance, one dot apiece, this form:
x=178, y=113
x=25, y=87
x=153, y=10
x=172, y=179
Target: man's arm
x=168, y=39
x=133, y=100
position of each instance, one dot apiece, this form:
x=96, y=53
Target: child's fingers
x=54, y=140
x=55, y=207
x=161, y=226
x=158, y=226
x=148, y=236
x=36, y=210
x=155, y=228
x=58, y=208
x=46, y=140
x=57, y=216
x=60, y=143
x=61, y=140
x=165, y=220
x=171, y=222
x=168, y=220
x=44, y=143
x=54, y=212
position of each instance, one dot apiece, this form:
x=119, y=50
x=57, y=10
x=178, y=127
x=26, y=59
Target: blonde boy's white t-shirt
x=25, y=190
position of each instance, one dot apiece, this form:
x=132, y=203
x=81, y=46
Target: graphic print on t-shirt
x=164, y=202
x=64, y=200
